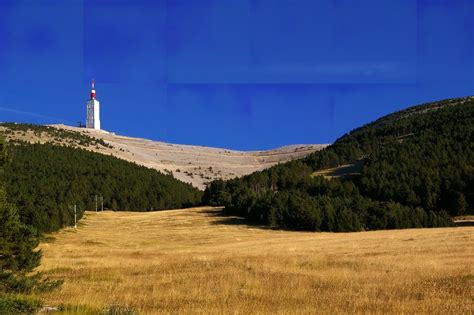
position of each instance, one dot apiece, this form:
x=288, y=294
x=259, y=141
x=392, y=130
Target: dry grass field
x=196, y=260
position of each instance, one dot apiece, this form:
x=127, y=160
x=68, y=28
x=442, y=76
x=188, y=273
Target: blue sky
x=241, y=74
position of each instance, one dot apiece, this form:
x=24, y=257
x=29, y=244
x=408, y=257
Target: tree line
x=18, y=254
x=44, y=181
x=418, y=170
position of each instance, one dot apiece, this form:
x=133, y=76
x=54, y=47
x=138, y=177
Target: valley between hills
x=247, y=245
x=192, y=164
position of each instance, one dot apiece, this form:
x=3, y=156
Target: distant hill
x=55, y=167
x=408, y=169
x=196, y=165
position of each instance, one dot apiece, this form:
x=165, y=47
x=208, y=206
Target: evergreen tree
x=415, y=166
x=45, y=180
x=17, y=241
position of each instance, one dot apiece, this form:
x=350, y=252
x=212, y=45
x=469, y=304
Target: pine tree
x=17, y=242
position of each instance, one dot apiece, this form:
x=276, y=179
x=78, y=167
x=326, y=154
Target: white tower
x=93, y=109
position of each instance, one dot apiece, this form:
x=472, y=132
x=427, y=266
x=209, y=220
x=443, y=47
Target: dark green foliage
x=17, y=240
x=433, y=168
x=215, y=194
x=20, y=282
x=18, y=255
x=418, y=166
x=15, y=305
x=45, y=181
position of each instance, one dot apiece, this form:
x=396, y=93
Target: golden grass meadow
x=199, y=261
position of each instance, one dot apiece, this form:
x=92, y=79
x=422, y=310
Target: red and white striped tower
x=93, y=90
x=93, y=111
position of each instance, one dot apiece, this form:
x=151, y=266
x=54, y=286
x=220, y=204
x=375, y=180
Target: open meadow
x=197, y=260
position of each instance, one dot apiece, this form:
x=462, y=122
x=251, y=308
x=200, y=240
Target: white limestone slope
x=193, y=164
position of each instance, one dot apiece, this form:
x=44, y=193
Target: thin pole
x=75, y=217
x=95, y=203
x=101, y=203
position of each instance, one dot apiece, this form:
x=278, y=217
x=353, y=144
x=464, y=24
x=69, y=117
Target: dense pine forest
x=18, y=255
x=45, y=181
x=414, y=168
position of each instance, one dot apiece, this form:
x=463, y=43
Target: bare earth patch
x=196, y=260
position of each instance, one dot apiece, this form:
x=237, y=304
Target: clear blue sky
x=242, y=74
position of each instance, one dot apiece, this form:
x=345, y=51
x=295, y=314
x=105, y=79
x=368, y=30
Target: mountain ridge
x=412, y=171
x=192, y=164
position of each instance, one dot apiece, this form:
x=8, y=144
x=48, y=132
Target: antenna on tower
x=92, y=90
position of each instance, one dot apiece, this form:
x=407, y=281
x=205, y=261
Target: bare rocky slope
x=189, y=163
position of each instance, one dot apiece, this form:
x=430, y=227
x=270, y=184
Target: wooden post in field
x=75, y=217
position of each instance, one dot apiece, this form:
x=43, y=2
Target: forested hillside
x=44, y=181
x=18, y=255
x=192, y=164
x=417, y=166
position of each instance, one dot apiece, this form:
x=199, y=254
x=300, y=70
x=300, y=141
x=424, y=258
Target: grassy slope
x=198, y=261
x=343, y=171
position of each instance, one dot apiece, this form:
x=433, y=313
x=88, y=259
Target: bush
x=14, y=304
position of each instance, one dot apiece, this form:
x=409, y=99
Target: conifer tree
x=17, y=240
